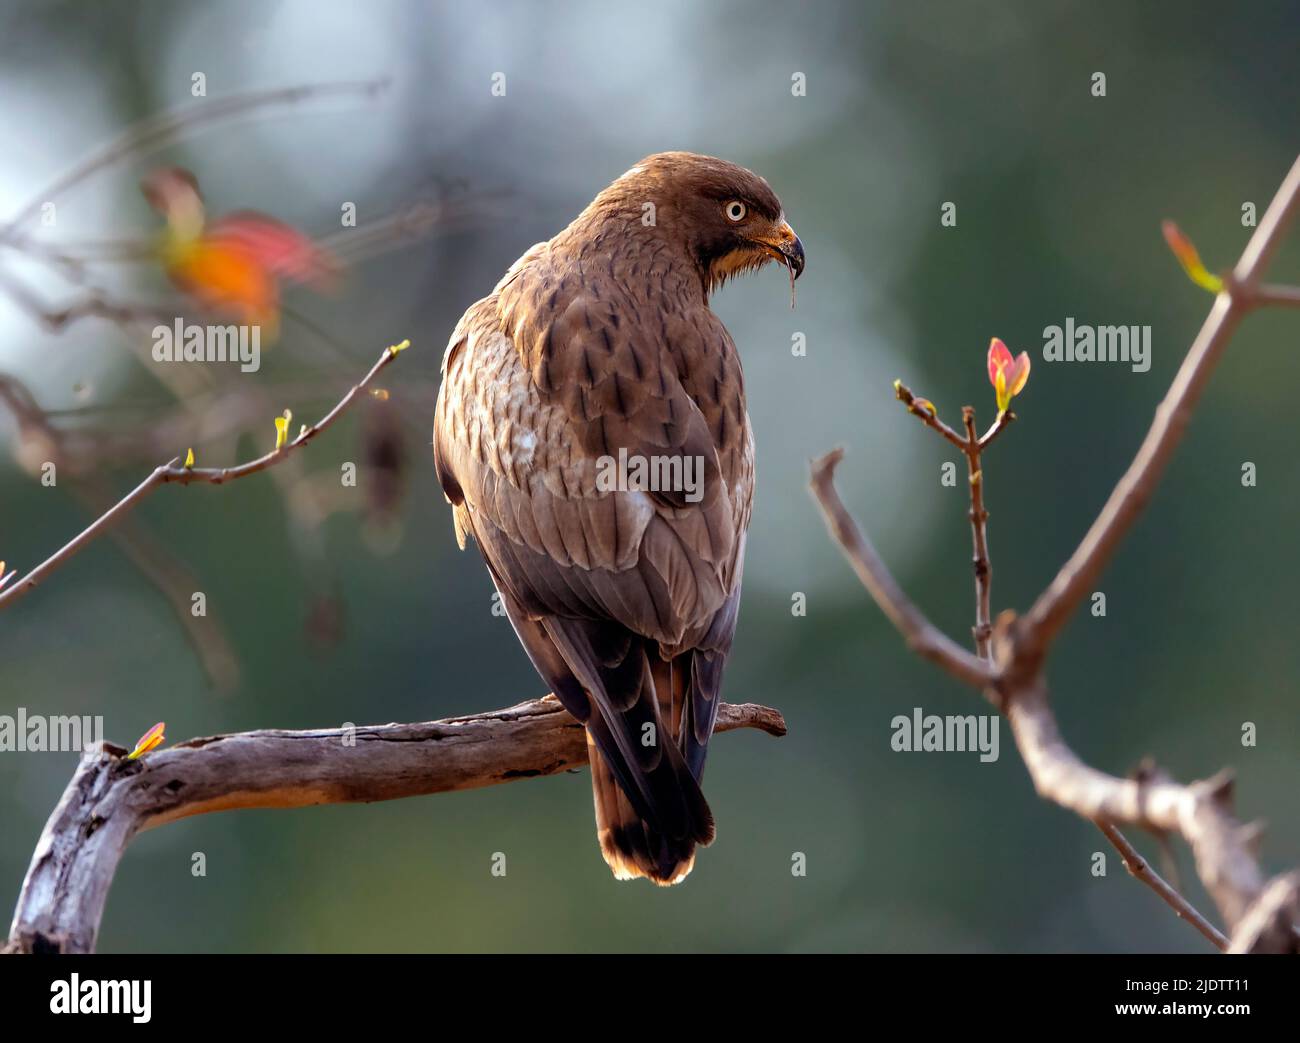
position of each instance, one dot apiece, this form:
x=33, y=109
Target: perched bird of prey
x=591, y=434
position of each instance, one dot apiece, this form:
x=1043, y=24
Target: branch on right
x=1011, y=653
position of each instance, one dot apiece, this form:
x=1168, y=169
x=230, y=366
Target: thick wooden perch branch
x=1260, y=916
x=111, y=799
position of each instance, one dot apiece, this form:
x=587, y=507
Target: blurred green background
x=1059, y=197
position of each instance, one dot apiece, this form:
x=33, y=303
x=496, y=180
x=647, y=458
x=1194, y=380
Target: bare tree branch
x=78, y=455
x=922, y=636
x=973, y=447
x=999, y=425
x=111, y=799
x=1201, y=812
x=1141, y=870
x=1079, y=574
x=173, y=472
x=1260, y=917
x=924, y=411
x=1278, y=296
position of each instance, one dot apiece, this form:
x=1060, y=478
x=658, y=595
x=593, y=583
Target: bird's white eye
x=735, y=210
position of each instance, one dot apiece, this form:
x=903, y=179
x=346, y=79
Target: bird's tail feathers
x=633, y=847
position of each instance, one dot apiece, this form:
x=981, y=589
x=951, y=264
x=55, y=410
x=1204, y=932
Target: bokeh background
x=366, y=612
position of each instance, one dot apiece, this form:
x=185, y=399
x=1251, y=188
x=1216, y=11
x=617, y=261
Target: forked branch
x=1260, y=916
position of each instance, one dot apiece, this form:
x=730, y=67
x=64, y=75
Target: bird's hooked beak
x=785, y=246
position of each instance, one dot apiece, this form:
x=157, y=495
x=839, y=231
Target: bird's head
x=725, y=219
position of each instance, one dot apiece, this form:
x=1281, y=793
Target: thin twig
x=971, y=446
x=1141, y=869
x=173, y=472
x=983, y=567
x=1078, y=575
x=924, y=411
x=1005, y=417
x=922, y=636
x=1278, y=296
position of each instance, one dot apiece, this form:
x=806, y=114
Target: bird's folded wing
x=521, y=471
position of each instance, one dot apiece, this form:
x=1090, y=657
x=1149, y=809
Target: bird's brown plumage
x=597, y=346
